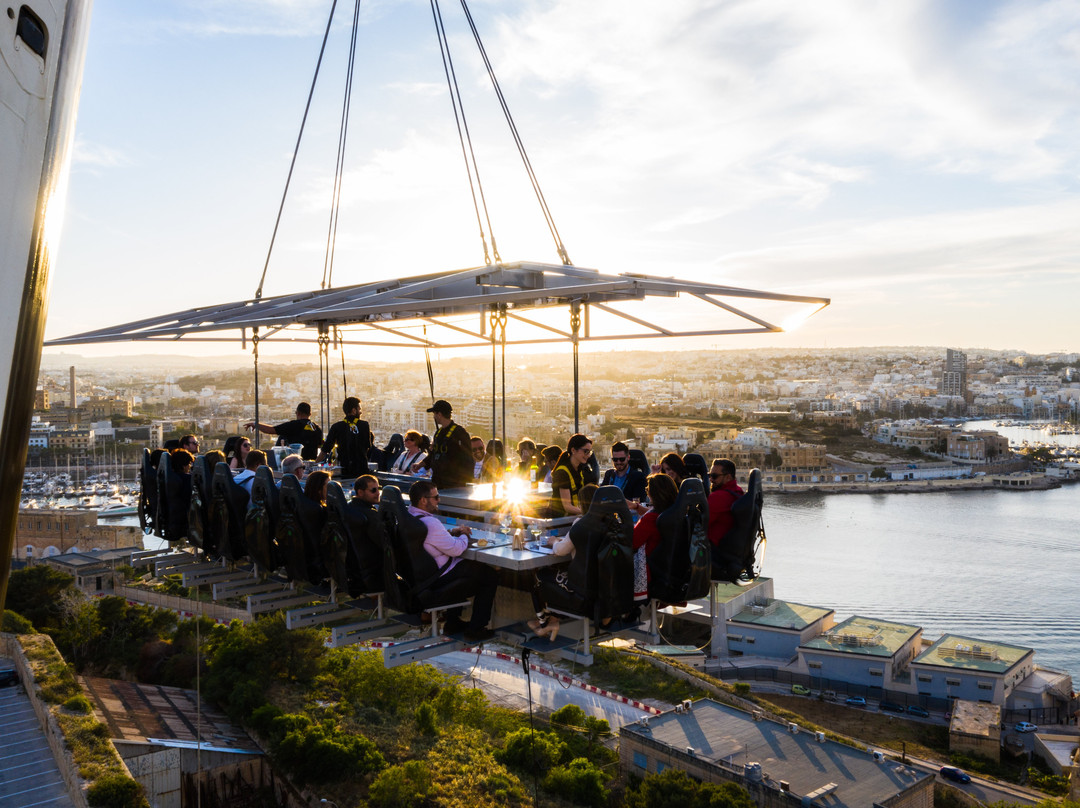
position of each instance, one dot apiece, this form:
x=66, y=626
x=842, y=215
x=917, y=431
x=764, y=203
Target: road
x=503, y=682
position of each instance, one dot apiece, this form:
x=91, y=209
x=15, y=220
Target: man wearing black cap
x=450, y=458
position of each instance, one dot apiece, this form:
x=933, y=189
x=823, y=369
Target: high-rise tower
x=954, y=377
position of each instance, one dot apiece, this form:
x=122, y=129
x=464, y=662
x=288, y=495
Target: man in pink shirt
x=446, y=547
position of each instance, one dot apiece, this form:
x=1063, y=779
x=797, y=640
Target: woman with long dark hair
x=570, y=474
x=237, y=452
x=494, y=462
x=662, y=494
x=315, y=486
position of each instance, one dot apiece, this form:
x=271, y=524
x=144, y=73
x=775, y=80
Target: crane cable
x=548, y=218
x=296, y=151
x=469, y=154
x=339, y=166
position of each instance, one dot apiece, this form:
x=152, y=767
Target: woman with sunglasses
x=571, y=473
x=238, y=457
x=411, y=456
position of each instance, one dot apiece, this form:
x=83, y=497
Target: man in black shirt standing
x=450, y=458
x=302, y=430
x=352, y=438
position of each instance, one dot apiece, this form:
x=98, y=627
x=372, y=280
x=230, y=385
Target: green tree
x=878, y=473
x=674, y=788
x=580, y=781
x=531, y=750
x=404, y=786
x=34, y=592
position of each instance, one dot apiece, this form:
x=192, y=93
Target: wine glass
x=537, y=530
x=505, y=521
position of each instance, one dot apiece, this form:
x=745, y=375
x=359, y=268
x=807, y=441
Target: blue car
x=855, y=701
x=954, y=774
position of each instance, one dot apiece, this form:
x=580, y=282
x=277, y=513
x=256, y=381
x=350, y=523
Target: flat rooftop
x=136, y=712
x=966, y=653
x=727, y=591
x=869, y=636
x=721, y=733
x=976, y=719
x=781, y=614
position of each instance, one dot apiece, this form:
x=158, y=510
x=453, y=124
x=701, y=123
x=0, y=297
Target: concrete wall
x=967, y=687
x=767, y=641
x=185, y=607
x=160, y=769
x=853, y=668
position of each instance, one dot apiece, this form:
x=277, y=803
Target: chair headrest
x=290, y=487
x=391, y=499
x=335, y=497
x=691, y=492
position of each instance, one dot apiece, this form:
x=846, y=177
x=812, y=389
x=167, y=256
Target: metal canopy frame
x=379, y=313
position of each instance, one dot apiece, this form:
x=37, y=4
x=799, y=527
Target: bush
x=425, y=720
x=402, y=786
x=529, y=749
x=320, y=753
x=579, y=782
x=79, y=704
x=1050, y=783
x=115, y=790
x=742, y=689
x=15, y=623
x=673, y=788
x=569, y=716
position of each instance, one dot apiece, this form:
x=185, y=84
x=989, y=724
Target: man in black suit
x=630, y=480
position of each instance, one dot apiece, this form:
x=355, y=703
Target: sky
x=916, y=162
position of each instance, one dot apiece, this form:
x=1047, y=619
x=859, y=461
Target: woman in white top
x=412, y=455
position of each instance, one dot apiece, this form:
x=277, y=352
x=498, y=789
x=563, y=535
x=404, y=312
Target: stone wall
x=9, y=646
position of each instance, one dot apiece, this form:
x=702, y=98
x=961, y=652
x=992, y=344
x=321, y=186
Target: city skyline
x=911, y=163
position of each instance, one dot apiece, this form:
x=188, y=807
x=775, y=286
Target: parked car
x=8, y=677
x=828, y=695
x=800, y=690
x=1024, y=726
x=891, y=707
x=915, y=709
x=955, y=774
x=855, y=701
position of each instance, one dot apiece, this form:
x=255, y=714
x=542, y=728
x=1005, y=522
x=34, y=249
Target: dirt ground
x=922, y=739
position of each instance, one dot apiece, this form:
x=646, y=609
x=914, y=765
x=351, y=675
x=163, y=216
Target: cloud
x=97, y=156
x=714, y=91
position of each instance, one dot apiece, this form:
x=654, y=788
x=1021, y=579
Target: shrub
x=425, y=720
x=79, y=704
x=579, y=782
x=321, y=752
x=673, y=788
x=115, y=790
x=569, y=716
x=15, y=623
x=529, y=749
x=262, y=719
x=404, y=786
x=742, y=689
x=1050, y=783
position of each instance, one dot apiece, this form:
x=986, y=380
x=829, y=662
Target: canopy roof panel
x=437, y=310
